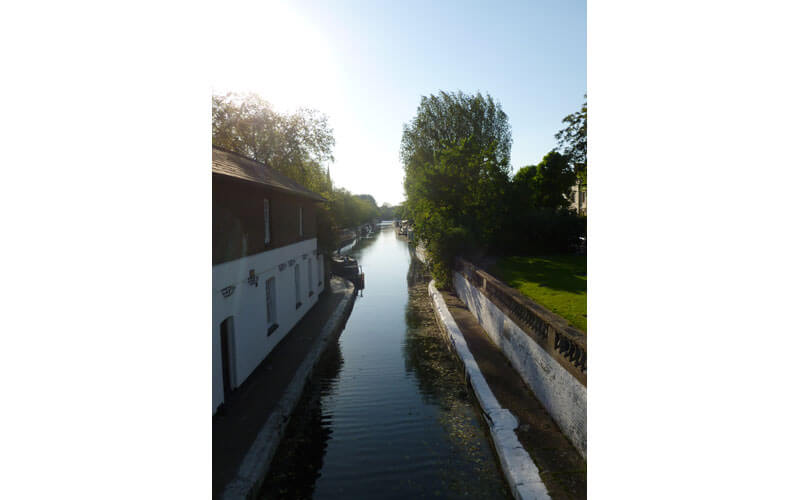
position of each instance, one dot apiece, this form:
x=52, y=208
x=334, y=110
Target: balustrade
x=564, y=343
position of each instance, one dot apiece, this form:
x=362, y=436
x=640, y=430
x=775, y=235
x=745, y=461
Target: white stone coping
x=521, y=473
x=255, y=464
x=562, y=395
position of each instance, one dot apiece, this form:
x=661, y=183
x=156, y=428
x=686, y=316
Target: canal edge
x=520, y=472
x=255, y=465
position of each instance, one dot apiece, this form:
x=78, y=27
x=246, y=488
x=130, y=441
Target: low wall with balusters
x=549, y=355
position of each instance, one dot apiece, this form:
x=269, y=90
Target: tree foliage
x=456, y=200
x=343, y=210
x=388, y=212
x=445, y=119
x=539, y=219
x=455, y=153
x=572, y=141
x=546, y=185
x=542, y=231
x=352, y=210
x=401, y=211
x=295, y=144
x=369, y=199
x=464, y=187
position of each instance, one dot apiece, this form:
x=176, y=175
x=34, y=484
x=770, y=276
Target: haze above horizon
x=366, y=66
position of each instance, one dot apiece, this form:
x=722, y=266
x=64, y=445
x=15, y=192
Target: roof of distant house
x=235, y=165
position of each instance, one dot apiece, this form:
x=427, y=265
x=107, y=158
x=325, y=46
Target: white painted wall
x=248, y=306
x=562, y=395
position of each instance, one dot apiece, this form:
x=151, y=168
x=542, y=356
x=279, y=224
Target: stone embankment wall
x=521, y=473
x=549, y=355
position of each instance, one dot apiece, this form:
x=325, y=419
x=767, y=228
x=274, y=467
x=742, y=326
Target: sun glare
x=274, y=52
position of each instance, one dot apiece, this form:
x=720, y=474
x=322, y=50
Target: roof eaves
x=291, y=186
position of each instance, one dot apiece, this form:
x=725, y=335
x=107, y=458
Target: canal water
x=387, y=413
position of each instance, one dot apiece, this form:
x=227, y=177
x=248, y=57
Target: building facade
x=267, y=271
x=578, y=199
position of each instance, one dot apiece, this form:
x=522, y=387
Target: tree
x=401, y=211
x=368, y=198
x=349, y=210
x=546, y=185
x=445, y=119
x=294, y=144
x=455, y=154
x=387, y=212
x=572, y=141
x=457, y=203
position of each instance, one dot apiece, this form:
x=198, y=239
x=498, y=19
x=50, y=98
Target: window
x=272, y=320
x=297, y=286
x=301, y=221
x=266, y=222
x=228, y=354
x=310, y=285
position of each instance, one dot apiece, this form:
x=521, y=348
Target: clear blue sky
x=367, y=63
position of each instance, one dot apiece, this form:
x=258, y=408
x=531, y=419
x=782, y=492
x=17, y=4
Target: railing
x=565, y=344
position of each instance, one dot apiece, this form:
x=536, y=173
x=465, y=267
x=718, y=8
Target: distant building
x=267, y=271
x=578, y=199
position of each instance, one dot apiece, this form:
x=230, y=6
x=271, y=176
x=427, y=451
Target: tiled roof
x=234, y=165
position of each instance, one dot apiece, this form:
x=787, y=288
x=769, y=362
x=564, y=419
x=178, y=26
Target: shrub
x=443, y=249
x=542, y=230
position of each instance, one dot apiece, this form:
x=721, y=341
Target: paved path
x=561, y=467
x=235, y=428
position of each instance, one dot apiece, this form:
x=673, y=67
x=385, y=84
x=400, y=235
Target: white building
x=578, y=199
x=266, y=269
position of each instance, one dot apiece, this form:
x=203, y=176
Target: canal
x=387, y=413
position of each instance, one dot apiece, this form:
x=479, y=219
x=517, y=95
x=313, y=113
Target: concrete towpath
x=561, y=467
x=247, y=431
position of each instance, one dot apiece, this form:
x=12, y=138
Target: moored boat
x=348, y=268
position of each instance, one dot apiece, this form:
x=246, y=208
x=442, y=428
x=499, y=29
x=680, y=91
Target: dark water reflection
x=387, y=413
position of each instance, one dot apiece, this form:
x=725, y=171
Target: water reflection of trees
x=426, y=355
x=465, y=466
x=300, y=456
x=363, y=244
x=473, y=471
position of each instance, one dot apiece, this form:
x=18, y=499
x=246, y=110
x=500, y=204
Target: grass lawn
x=556, y=282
